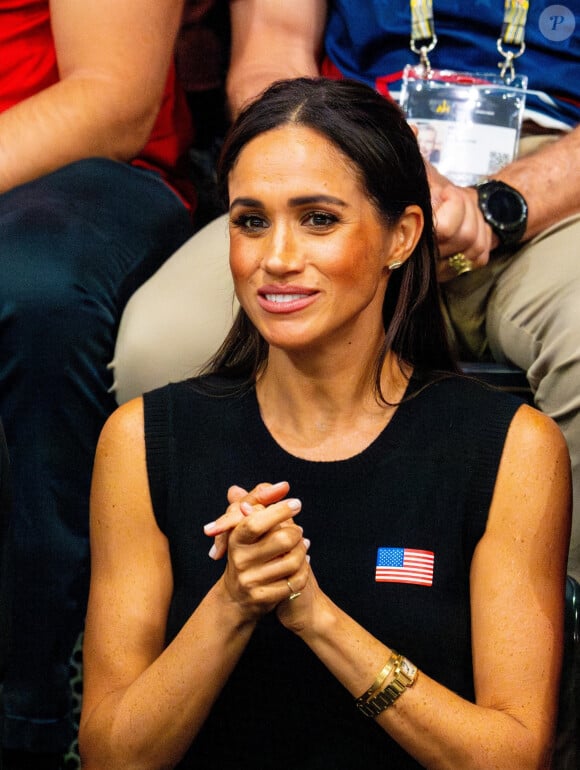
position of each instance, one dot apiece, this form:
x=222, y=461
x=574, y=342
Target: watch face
x=408, y=669
x=505, y=207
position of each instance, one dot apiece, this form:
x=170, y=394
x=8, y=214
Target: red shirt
x=28, y=65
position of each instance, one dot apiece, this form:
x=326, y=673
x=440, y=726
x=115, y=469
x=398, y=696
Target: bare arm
x=517, y=592
x=142, y=706
x=113, y=58
x=272, y=40
x=143, y=703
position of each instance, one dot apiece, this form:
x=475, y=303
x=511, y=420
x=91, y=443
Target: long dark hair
x=373, y=133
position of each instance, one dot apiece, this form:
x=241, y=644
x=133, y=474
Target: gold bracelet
x=379, y=681
x=405, y=676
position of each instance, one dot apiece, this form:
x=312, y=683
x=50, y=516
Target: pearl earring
x=395, y=265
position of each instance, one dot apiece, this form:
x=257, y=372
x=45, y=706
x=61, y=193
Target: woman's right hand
x=265, y=550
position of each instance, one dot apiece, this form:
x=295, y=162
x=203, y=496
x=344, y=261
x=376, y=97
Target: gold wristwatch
x=405, y=676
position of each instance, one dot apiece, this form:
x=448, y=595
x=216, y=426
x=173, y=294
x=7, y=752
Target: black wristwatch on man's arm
x=504, y=209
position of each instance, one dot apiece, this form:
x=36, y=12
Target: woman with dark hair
x=383, y=151
x=411, y=615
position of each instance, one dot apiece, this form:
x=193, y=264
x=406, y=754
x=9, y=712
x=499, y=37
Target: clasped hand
x=267, y=552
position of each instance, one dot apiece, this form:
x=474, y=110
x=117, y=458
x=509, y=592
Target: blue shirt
x=370, y=41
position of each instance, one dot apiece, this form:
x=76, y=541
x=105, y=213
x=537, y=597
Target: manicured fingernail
x=278, y=484
x=246, y=508
x=308, y=558
x=306, y=542
x=209, y=527
x=294, y=504
x=212, y=552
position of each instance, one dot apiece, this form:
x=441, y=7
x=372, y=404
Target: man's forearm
x=549, y=179
x=113, y=57
x=74, y=119
x=272, y=40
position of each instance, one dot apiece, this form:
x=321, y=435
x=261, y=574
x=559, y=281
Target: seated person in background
x=434, y=512
x=201, y=58
x=93, y=132
x=518, y=303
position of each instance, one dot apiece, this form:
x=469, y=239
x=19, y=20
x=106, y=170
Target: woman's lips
x=289, y=300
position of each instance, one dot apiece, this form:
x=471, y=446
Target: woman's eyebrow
x=300, y=200
x=250, y=202
x=306, y=200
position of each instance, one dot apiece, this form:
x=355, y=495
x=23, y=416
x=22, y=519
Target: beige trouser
x=530, y=313
x=176, y=320
x=533, y=320
x=530, y=306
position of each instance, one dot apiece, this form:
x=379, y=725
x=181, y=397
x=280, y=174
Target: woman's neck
x=329, y=410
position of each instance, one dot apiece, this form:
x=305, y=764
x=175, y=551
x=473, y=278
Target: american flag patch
x=404, y=565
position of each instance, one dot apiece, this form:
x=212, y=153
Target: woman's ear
x=406, y=234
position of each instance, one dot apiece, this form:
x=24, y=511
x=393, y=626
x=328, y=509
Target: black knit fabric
x=425, y=483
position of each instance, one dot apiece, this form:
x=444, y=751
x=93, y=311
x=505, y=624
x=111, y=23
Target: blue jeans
x=74, y=245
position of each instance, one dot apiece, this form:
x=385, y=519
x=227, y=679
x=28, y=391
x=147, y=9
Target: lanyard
x=515, y=16
x=423, y=37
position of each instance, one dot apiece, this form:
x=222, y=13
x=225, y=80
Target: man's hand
x=459, y=225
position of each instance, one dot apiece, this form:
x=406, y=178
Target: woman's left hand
x=292, y=612
x=266, y=550
x=299, y=613
x=241, y=503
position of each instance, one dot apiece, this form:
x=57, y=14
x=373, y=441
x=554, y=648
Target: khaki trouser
x=179, y=318
x=526, y=309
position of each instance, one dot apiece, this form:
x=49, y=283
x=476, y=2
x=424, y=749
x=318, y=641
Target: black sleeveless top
x=424, y=485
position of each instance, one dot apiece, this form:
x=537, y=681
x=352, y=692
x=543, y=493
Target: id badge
x=468, y=123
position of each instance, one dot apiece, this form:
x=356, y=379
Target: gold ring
x=293, y=594
x=460, y=263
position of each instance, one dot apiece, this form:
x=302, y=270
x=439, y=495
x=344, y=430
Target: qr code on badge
x=496, y=161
